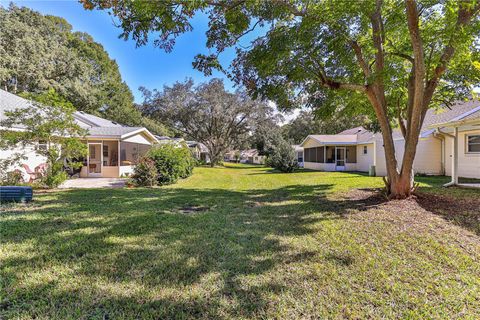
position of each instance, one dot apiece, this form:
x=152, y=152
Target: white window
x=473, y=143
x=42, y=145
x=365, y=149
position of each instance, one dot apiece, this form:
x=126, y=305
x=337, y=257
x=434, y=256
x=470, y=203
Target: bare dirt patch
x=422, y=213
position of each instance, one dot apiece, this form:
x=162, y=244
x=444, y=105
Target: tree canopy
x=41, y=52
x=207, y=113
x=390, y=59
x=308, y=123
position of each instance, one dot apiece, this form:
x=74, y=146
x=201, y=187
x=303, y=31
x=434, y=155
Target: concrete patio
x=82, y=183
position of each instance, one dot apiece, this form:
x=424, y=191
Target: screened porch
x=331, y=158
x=111, y=158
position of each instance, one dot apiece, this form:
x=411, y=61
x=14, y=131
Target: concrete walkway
x=93, y=183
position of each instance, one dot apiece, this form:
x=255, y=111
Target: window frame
x=467, y=143
x=365, y=150
x=42, y=145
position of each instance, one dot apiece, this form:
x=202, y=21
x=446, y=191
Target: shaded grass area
x=239, y=242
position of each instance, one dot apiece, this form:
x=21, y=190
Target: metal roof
x=97, y=127
x=334, y=138
x=113, y=132
x=10, y=102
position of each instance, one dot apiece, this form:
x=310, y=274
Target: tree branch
x=361, y=60
x=402, y=55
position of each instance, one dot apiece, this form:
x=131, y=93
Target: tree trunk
x=400, y=187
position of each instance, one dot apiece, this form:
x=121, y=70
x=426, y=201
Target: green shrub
x=171, y=163
x=54, y=176
x=145, y=173
x=54, y=179
x=282, y=156
x=13, y=178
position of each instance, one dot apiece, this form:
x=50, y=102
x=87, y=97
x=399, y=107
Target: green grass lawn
x=243, y=242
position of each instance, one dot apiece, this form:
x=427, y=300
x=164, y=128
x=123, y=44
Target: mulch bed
x=422, y=213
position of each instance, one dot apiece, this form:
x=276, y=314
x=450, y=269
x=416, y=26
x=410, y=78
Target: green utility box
x=371, y=172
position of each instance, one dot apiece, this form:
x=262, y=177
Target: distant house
x=449, y=145
x=232, y=156
x=299, y=154
x=244, y=156
x=251, y=156
x=199, y=151
x=113, y=149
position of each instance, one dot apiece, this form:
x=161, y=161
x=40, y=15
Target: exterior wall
x=258, y=159
x=32, y=158
x=300, y=158
x=468, y=163
x=110, y=172
x=138, y=138
x=428, y=159
x=324, y=166
x=126, y=170
x=328, y=166
x=350, y=167
x=310, y=143
x=107, y=172
x=364, y=161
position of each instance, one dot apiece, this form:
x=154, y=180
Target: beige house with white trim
x=358, y=149
x=113, y=149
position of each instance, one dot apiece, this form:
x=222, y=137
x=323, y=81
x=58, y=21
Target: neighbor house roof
x=363, y=135
x=456, y=112
x=463, y=111
x=113, y=132
x=89, y=120
x=338, y=139
x=96, y=127
x=196, y=144
x=10, y=102
x=249, y=153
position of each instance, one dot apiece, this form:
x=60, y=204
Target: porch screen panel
x=330, y=154
x=314, y=154
x=308, y=154
x=351, y=154
x=320, y=155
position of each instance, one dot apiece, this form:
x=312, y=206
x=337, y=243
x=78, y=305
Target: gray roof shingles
x=96, y=126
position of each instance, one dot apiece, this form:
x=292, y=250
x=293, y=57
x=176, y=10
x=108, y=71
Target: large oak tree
x=398, y=57
x=207, y=113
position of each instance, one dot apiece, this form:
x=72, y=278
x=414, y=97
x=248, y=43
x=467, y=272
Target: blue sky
x=144, y=66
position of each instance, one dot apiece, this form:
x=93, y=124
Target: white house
x=199, y=151
x=449, y=145
x=113, y=149
x=299, y=154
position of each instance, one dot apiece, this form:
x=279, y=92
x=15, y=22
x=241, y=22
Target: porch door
x=95, y=159
x=340, y=153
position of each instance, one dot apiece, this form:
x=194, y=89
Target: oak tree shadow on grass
x=127, y=241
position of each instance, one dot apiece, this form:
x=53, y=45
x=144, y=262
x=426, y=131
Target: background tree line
x=41, y=52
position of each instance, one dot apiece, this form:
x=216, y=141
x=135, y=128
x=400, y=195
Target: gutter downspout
x=454, y=180
x=440, y=137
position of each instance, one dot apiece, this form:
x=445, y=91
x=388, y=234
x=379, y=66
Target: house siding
x=32, y=159
x=468, y=163
x=428, y=159
x=364, y=161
